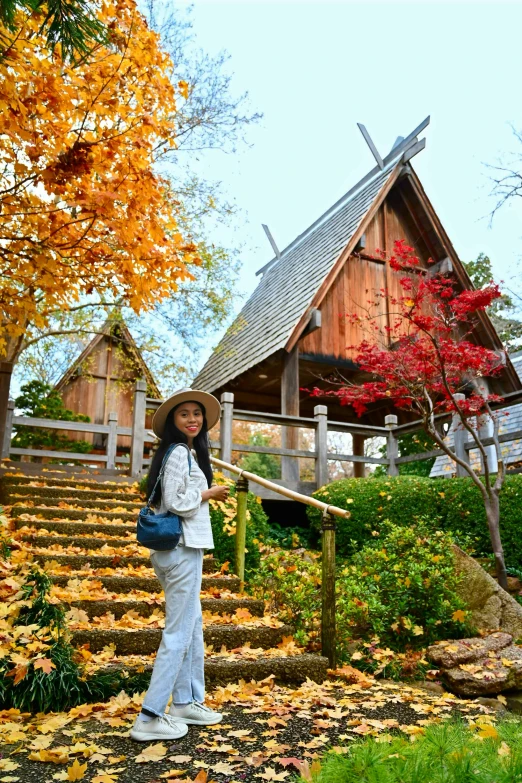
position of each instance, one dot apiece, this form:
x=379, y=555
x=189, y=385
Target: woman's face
x=189, y=419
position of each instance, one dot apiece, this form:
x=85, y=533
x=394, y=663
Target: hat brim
x=210, y=403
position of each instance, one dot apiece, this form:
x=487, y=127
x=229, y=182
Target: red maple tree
x=425, y=361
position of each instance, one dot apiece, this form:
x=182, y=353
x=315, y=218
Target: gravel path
x=264, y=726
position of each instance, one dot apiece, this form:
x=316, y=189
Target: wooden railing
x=109, y=459
x=225, y=446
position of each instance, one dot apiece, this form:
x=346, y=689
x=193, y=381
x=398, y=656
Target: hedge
x=454, y=504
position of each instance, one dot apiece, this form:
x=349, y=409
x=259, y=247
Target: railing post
x=392, y=446
x=321, y=445
x=8, y=432
x=460, y=437
x=138, y=428
x=328, y=589
x=112, y=440
x=225, y=429
x=241, y=517
x=359, y=468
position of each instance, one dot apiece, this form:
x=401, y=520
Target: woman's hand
x=217, y=492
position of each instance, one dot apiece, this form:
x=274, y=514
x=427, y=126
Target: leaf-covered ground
x=267, y=729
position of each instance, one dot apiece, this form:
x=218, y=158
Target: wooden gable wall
x=365, y=273
x=104, y=382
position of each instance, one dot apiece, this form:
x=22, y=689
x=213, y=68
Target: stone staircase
x=82, y=530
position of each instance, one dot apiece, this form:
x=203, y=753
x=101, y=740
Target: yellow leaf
x=152, y=753
x=76, y=771
x=502, y=699
x=183, y=88
x=459, y=616
x=45, y=664
x=407, y=581
x=487, y=731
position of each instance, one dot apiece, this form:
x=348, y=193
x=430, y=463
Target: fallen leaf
x=76, y=771
x=45, y=664
x=152, y=753
x=271, y=774
x=488, y=732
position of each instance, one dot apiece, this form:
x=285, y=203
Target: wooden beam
x=290, y=407
x=371, y=145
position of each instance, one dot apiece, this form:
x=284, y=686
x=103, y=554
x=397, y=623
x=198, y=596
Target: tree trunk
x=492, y=506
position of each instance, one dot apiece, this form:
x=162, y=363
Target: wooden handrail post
x=392, y=446
x=460, y=437
x=241, y=519
x=8, y=432
x=112, y=440
x=321, y=445
x=225, y=430
x=138, y=428
x=328, y=589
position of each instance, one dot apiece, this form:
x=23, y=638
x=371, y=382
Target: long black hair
x=171, y=434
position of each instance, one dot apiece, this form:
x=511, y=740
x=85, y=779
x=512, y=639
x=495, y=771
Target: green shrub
x=454, y=505
x=40, y=400
x=222, y=518
x=448, y=752
x=290, y=580
x=399, y=590
x=39, y=668
x=402, y=588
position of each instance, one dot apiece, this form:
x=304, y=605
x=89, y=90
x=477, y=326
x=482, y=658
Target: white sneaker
x=196, y=714
x=164, y=728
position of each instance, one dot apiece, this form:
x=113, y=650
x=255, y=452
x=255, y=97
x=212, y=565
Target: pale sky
x=316, y=69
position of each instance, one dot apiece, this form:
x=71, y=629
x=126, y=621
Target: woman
x=184, y=418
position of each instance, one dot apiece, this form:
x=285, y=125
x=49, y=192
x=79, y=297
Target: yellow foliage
x=80, y=202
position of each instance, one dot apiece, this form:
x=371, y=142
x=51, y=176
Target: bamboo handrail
x=289, y=493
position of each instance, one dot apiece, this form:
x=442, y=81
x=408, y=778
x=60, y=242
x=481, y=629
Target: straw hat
x=210, y=403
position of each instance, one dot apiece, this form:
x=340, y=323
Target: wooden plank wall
x=105, y=384
x=359, y=280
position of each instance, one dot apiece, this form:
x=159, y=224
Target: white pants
x=179, y=665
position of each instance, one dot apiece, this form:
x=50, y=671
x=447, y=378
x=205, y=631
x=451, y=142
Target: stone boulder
x=477, y=667
x=491, y=607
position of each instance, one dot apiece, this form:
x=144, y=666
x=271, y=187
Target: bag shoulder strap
x=164, y=464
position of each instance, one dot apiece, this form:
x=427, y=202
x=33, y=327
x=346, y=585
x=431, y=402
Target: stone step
x=70, y=528
x=145, y=641
x=52, y=512
x=255, y=606
x=76, y=561
x=122, y=584
x=86, y=542
x=288, y=670
x=71, y=480
x=48, y=496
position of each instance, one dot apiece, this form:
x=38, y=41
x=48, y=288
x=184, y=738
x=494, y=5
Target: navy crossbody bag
x=160, y=531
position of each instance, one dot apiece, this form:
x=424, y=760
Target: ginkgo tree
x=428, y=362
x=83, y=212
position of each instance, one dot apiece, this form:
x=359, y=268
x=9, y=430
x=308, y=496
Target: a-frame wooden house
x=291, y=330
x=102, y=380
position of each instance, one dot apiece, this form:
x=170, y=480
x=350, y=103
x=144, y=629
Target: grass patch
x=450, y=752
